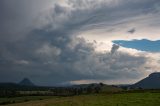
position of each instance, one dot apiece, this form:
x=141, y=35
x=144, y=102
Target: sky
x=59, y=42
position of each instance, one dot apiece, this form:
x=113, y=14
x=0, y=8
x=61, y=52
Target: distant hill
x=150, y=82
x=103, y=87
x=26, y=82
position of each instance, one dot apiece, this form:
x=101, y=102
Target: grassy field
x=12, y=100
x=122, y=99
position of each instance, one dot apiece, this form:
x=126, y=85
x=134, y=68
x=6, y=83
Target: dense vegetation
x=11, y=90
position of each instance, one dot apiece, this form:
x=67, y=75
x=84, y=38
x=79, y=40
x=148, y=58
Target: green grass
x=128, y=99
x=122, y=99
x=11, y=100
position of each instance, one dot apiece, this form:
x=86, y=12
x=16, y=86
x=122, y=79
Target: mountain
x=26, y=82
x=150, y=82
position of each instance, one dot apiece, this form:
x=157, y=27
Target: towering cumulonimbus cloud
x=51, y=51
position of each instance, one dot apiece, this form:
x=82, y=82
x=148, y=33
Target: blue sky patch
x=143, y=44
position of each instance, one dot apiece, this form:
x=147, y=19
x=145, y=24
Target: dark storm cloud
x=17, y=16
x=54, y=60
x=52, y=53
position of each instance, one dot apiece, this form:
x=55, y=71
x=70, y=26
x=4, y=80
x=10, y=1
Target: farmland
x=12, y=100
x=79, y=95
x=103, y=99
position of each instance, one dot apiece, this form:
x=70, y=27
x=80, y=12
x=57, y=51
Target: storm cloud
x=44, y=44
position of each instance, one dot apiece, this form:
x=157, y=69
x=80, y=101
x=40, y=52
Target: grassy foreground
x=123, y=99
x=13, y=100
